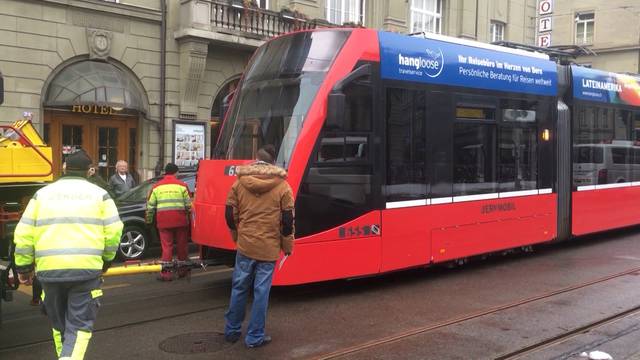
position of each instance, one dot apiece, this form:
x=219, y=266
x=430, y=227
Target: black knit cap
x=171, y=168
x=267, y=154
x=79, y=160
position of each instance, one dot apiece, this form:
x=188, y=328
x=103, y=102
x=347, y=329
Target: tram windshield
x=276, y=94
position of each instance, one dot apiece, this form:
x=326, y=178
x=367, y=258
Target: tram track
x=121, y=326
x=531, y=349
x=218, y=306
x=406, y=334
x=142, y=321
x=494, y=310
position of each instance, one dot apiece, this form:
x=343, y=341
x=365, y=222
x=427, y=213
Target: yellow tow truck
x=25, y=167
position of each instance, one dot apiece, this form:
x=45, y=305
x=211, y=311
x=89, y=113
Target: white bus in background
x=614, y=163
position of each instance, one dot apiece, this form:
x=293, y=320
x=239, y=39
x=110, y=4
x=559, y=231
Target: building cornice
x=124, y=10
x=242, y=41
x=633, y=47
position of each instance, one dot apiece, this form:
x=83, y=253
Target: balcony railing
x=255, y=21
x=230, y=17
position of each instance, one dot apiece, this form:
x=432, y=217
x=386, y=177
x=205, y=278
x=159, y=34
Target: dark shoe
x=266, y=340
x=184, y=273
x=233, y=338
x=35, y=302
x=165, y=276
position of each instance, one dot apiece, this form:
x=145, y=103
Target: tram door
x=405, y=233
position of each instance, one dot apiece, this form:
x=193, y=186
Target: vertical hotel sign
x=545, y=22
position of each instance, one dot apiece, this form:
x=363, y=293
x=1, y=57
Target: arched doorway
x=96, y=106
x=220, y=105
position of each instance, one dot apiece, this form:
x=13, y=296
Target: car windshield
x=138, y=193
x=276, y=94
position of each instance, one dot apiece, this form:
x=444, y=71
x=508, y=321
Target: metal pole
x=477, y=15
x=163, y=71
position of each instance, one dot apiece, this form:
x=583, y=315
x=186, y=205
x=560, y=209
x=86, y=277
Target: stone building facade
x=609, y=29
x=89, y=72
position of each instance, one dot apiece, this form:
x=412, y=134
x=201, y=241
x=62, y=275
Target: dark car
x=137, y=236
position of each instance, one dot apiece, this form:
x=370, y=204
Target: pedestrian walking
x=259, y=212
x=69, y=234
x=170, y=205
x=95, y=179
x=121, y=181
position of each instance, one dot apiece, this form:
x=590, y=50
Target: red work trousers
x=180, y=234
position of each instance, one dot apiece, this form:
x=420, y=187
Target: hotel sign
x=94, y=109
x=545, y=23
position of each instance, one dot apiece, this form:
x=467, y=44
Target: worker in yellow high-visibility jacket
x=69, y=234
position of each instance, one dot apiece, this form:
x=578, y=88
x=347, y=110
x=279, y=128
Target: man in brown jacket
x=259, y=212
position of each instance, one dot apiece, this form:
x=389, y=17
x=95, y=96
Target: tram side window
x=474, y=144
x=406, y=145
x=518, y=146
x=604, y=147
x=358, y=108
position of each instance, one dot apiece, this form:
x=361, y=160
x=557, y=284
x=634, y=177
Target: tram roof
x=481, y=45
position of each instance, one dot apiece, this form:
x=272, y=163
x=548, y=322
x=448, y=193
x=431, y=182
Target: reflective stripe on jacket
x=68, y=230
x=170, y=203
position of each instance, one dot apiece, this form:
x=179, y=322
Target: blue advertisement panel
x=440, y=62
x=603, y=86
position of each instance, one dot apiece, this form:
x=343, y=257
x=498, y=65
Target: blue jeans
x=247, y=273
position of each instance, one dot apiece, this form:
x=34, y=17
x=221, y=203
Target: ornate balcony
x=229, y=21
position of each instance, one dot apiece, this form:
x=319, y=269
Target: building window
x=584, y=28
x=426, y=16
x=497, y=31
x=345, y=11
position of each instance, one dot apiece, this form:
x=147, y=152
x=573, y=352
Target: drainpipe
x=477, y=15
x=163, y=70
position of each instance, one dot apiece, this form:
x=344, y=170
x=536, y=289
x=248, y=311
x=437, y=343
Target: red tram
x=406, y=151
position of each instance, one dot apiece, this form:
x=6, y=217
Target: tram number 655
x=230, y=170
x=358, y=230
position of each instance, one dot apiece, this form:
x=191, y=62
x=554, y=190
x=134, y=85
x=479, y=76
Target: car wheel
x=134, y=242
